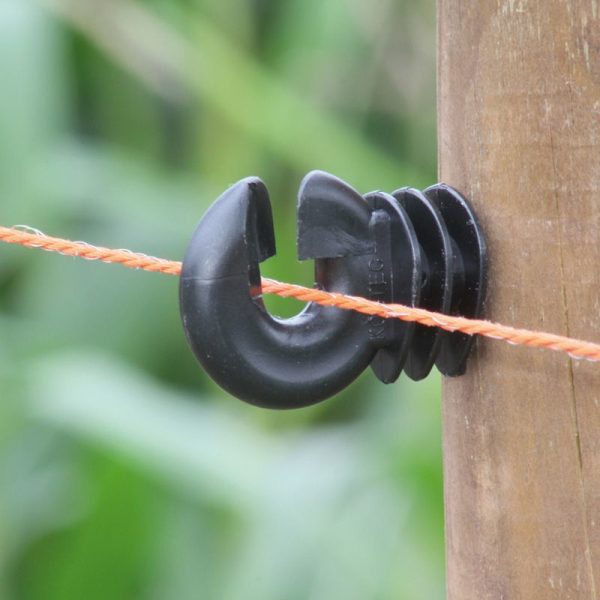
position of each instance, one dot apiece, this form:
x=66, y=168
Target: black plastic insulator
x=413, y=248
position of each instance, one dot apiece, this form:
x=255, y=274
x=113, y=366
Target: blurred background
x=125, y=472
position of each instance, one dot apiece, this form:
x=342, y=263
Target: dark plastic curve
x=403, y=254
x=469, y=269
x=266, y=361
x=437, y=278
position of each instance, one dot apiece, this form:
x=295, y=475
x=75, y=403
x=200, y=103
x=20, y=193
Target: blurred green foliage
x=125, y=472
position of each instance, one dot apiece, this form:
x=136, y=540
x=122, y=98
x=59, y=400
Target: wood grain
x=519, y=133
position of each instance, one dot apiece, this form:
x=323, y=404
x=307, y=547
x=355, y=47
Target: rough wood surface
x=519, y=133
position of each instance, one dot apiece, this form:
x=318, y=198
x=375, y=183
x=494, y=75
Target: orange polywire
x=577, y=349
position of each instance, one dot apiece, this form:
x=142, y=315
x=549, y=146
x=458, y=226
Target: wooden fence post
x=519, y=134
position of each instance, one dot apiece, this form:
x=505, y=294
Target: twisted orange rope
x=577, y=349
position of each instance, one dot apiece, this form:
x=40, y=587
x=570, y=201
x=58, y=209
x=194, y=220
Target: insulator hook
x=418, y=249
